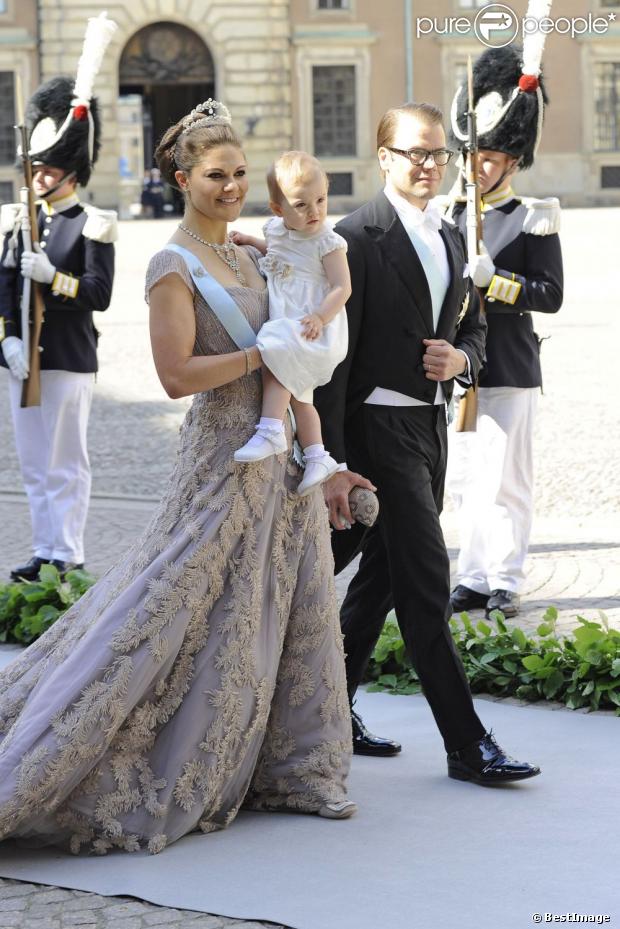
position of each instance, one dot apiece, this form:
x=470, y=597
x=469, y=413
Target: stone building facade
x=313, y=74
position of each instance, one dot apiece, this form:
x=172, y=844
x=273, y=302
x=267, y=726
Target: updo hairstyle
x=182, y=150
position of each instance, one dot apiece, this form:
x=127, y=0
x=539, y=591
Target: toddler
x=306, y=335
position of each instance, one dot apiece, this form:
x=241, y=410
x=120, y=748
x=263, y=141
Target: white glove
x=13, y=351
x=37, y=266
x=481, y=268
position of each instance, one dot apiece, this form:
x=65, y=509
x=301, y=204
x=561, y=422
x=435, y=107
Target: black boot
x=30, y=570
x=63, y=567
x=507, y=601
x=463, y=599
x=365, y=743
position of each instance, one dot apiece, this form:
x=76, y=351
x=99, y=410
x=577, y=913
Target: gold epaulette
x=503, y=288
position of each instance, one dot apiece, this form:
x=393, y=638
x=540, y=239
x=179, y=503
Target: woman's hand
x=312, y=326
x=336, y=493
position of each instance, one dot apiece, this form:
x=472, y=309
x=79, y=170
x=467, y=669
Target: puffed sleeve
x=330, y=241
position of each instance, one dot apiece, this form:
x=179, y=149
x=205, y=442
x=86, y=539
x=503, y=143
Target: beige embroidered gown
x=206, y=669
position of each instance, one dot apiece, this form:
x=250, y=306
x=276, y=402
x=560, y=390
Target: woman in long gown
x=205, y=670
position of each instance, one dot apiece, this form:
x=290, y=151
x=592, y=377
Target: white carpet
x=424, y=851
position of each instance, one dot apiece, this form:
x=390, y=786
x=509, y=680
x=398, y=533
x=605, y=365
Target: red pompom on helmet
x=528, y=83
x=80, y=113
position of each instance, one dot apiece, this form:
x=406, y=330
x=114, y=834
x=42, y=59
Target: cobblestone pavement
x=32, y=906
x=574, y=562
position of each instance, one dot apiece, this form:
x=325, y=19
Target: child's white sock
x=314, y=451
x=268, y=439
x=272, y=425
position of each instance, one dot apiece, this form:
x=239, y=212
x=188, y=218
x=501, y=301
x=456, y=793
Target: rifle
x=32, y=305
x=468, y=404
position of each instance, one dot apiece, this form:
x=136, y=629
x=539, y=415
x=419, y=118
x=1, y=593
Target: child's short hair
x=292, y=167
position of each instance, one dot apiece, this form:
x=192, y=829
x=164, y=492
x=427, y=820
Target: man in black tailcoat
x=414, y=325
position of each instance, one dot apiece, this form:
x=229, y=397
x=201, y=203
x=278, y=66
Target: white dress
x=297, y=286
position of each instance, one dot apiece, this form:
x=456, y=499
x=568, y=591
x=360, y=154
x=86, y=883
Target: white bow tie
x=430, y=217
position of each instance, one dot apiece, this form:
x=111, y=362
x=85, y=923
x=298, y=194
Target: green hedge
x=28, y=608
x=580, y=669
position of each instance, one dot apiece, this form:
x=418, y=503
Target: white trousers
x=51, y=447
x=491, y=476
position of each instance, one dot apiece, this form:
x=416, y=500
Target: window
x=610, y=176
x=4, y=5
x=7, y=117
x=607, y=106
x=340, y=183
x=327, y=4
x=6, y=192
x=460, y=74
x=472, y=4
x=333, y=108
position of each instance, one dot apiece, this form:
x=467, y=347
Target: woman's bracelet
x=248, y=361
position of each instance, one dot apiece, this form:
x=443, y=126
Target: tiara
x=209, y=113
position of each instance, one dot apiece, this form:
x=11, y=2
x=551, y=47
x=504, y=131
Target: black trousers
x=404, y=563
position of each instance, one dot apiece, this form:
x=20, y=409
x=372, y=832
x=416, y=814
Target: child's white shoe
x=318, y=470
x=265, y=443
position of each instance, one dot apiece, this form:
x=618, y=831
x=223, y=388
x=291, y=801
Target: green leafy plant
x=28, y=608
x=580, y=669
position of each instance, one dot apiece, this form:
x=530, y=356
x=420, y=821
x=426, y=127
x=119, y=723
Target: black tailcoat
x=390, y=313
x=402, y=450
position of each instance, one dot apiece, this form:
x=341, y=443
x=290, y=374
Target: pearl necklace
x=226, y=252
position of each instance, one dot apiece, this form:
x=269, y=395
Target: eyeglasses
x=419, y=156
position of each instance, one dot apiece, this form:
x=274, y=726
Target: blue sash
x=228, y=313
x=218, y=298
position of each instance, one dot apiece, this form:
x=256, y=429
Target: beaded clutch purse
x=364, y=505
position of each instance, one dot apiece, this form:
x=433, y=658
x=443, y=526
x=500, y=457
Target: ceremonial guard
x=518, y=271
x=74, y=268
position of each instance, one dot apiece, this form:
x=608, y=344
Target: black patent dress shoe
x=30, y=570
x=485, y=763
x=365, y=743
x=63, y=567
x=505, y=600
x=462, y=599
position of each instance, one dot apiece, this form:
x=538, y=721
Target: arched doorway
x=165, y=70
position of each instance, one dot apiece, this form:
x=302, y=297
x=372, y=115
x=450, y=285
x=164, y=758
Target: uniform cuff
x=503, y=289
x=65, y=285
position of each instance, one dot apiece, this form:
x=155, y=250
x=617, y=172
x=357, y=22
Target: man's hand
x=13, y=351
x=336, y=492
x=442, y=361
x=37, y=266
x=482, y=268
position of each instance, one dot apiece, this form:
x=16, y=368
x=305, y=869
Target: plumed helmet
x=62, y=116
x=509, y=101
x=63, y=134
